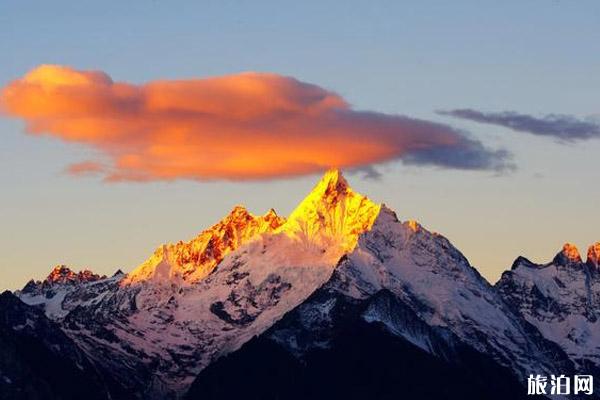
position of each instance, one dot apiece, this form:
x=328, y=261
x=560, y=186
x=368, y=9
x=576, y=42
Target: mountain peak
x=196, y=258
x=332, y=215
x=330, y=188
x=239, y=211
x=329, y=220
x=568, y=255
x=332, y=181
x=522, y=261
x=61, y=274
x=593, y=255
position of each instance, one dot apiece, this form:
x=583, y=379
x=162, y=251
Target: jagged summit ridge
x=193, y=260
x=568, y=256
x=330, y=217
x=63, y=275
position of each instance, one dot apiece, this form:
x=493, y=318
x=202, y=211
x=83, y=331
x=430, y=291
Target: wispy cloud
x=562, y=127
x=85, y=168
x=238, y=127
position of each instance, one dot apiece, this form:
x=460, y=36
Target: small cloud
x=85, y=168
x=563, y=127
x=235, y=127
x=367, y=172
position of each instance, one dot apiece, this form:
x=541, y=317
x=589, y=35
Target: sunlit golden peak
x=328, y=220
x=193, y=260
x=571, y=252
x=59, y=271
x=593, y=254
x=239, y=212
x=332, y=216
x=63, y=274
x=332, y=181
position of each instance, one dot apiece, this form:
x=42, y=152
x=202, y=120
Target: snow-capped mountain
x=338, y=261
x=562, y=299
x=437, y=282
x=163, y=323
x=63, y=290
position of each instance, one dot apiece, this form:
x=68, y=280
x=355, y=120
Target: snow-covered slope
x=337, y=347
x=191, y=303
x=561, y=298
x=431, y=276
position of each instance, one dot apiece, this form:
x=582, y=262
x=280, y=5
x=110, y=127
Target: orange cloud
x=244, y=126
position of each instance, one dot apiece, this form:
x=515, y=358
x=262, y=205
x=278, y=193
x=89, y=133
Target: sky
x=514, y=83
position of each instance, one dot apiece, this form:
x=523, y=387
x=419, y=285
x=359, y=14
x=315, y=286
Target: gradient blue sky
x=534, y=57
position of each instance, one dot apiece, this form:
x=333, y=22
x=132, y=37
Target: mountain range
x=339, y=300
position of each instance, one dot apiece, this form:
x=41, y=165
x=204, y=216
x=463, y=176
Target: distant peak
x=568, y=255
x=60, y=273
x=63, y=274
x=593, y=255
x=61, y=268
x=571, y=252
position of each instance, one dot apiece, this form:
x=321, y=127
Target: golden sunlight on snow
x=330, y=219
